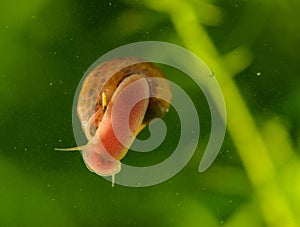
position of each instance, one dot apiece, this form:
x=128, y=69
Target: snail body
x=104, y=87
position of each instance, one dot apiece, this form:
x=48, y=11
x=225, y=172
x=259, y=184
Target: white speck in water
x=50, y=83
x=46, y=145
x=48, y=185
x=177, y=193
x=77, y=56
x=203, y=189
x=15, y=148
x=221, y=222
x=60, y=140
x=258, y=74
x=110, y=3
x=25, y=149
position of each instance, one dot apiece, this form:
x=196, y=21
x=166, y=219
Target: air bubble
x=84, y=123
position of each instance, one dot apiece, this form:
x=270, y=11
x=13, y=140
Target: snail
x=108, y=84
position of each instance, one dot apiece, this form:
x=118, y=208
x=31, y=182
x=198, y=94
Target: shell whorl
x=106, y=78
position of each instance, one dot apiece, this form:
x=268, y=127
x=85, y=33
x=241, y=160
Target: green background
x=251, y=46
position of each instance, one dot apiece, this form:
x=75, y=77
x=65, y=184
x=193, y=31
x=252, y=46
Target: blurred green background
x=253, y=48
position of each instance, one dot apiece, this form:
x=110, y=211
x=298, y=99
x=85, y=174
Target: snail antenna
x=79, y=148
x=112, y=180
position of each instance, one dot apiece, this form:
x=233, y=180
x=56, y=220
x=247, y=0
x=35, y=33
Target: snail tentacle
x=79, y=148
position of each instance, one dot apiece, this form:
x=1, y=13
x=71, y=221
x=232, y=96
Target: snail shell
x=107, y=77
x=100, y=90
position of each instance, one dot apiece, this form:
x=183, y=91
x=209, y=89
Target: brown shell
x=106, y=78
